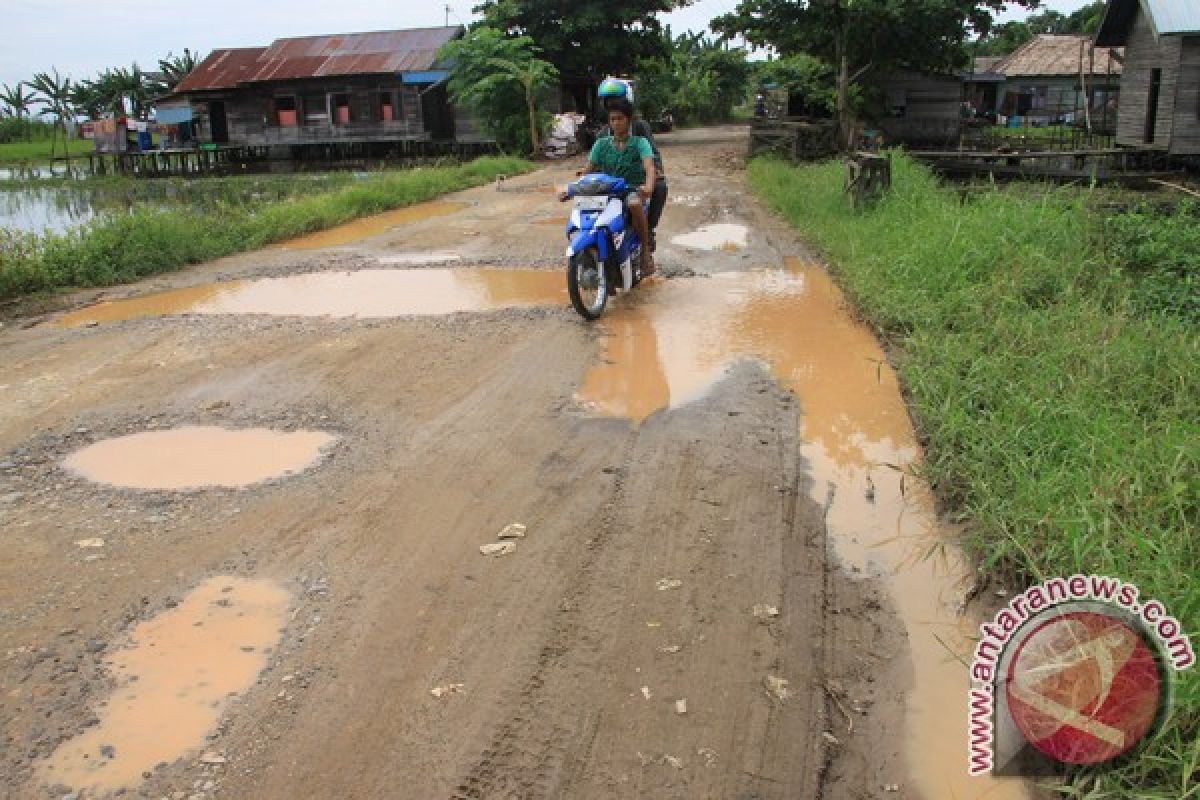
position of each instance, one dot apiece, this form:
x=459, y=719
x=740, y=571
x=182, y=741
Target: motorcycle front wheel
x=587, y=284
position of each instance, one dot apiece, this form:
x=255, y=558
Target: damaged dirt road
x=714, y=594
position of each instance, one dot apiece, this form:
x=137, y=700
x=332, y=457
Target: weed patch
x=1050, y=355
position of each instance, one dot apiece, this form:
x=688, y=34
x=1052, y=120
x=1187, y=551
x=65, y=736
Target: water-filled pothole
x=723, y=236
x=173, y=682
x=374, y=225
x=676, y=343
x=367, y=293
x=197, y=457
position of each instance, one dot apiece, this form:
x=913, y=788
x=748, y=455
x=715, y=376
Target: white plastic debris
x=498, y=548
x=777, y=688
x=765, y=613
x=672, y=761
x=667, y=584
x=450, y=688
x=681, y=705
x=514, y=530
x=646, y=692
x=85, y=543
x=670, y=649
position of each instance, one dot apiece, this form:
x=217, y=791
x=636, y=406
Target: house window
x=339, y=105
x=315, y=109
x=285, y=111
x=1038, y=97
x=387, y=107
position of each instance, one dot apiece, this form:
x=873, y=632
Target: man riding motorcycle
x=625, y=155
x=612, y=90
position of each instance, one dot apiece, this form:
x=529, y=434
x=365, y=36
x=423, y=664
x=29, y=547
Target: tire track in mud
x=518, y=758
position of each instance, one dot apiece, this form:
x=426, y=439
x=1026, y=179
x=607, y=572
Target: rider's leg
x=638, y=214
x=657, y=200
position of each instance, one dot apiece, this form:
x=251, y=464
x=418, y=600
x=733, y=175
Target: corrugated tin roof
x=1174, y=16
x=223, y=69
x=373, y=53
x=1169, y=18
x=1049, y=54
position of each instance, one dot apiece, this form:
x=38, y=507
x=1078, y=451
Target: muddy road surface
x=374, y=514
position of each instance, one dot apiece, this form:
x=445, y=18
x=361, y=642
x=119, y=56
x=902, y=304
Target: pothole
x=366, y=293
x=723, y=236
x=196, y=457
x=674, y=344
x=174, y=680
x=367, y=227
x=419, y=259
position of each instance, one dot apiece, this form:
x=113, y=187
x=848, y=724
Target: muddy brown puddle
x=174, y=680
x=196, y=457
x=677, y=340
x=367, y=227
x=722, y=236
x=368, y=293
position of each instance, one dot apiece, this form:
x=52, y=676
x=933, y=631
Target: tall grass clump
x=1050, y=357
x=123, y=247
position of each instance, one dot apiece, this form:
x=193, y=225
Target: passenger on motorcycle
x=624, y=155
x=612, y=90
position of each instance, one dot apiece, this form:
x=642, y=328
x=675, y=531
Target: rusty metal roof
x=380, y=52
x=223, y=69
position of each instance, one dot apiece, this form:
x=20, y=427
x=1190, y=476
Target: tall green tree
x=500, y=78
x=585, y=39
x=53, y=93
x=857, y=37
x=19, y=103
x=700, y=80
x=1004, y=39
x=175, y=68
x=799, y=74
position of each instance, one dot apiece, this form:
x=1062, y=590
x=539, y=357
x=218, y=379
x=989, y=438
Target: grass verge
x=39, y=150
x=1050, y=361
x=124, y=247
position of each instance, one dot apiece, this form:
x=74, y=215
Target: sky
x=82, y=37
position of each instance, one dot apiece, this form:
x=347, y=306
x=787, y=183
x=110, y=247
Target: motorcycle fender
x=582, y=241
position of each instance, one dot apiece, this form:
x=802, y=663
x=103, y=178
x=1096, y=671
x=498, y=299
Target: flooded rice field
x=43, y=206
x=174, y=679
x=368, y=293
x=198, y=457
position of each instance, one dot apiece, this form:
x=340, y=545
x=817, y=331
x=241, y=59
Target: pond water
x=41, y=210
x=58, y=206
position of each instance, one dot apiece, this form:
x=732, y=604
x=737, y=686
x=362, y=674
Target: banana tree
x=175, y=68
x=53, y=94
x=19, y=102
x=532, y=74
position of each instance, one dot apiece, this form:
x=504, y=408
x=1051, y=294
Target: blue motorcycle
x=605, y=254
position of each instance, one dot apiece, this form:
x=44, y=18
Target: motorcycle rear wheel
x=587, y=284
